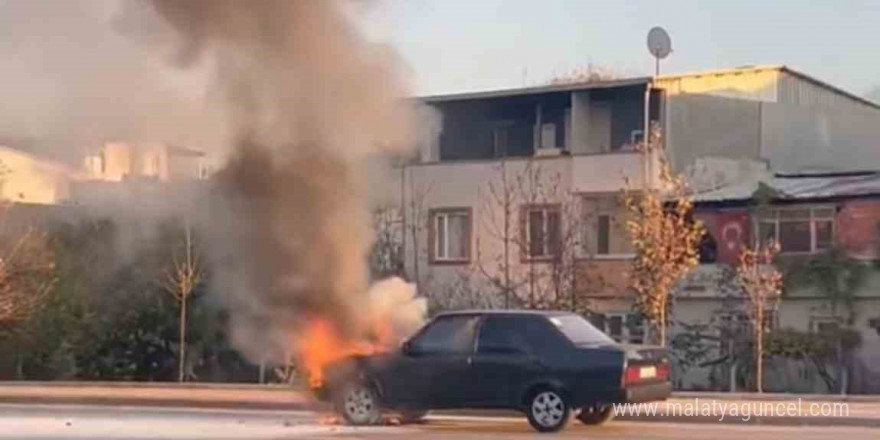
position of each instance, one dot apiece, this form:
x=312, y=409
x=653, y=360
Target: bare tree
x=498, y=204
x=762, y=283
x=180, y=281
x=463, y=291
x=548, y=280
x=415, y=221
x=664, y=236
x=387, y=254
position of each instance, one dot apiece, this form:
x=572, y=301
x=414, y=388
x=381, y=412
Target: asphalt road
x=56, y=422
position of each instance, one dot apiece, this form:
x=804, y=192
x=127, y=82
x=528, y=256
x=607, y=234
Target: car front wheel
x=596, y=415
x=548, y=410
x=359, y=405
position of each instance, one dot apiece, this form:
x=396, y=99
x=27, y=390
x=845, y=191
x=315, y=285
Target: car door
x=434, y=364
x=504, y=361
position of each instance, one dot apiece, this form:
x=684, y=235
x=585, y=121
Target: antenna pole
x=656, y=66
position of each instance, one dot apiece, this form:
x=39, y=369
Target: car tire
x=412, y=416
x=593, y=415
x=548, y=410
x=359, y=404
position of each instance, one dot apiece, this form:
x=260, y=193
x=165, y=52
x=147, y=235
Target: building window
x=622, y=327
x=798, y=230
x=548, y=136
x=708, y=249
x=825, y=324
x=542, y=231
x=603, y=234
x=450, y=235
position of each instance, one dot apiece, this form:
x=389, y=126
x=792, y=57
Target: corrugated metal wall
x=798, y=91
x=754, y=84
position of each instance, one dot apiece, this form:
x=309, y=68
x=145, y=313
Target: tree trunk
x=507, y=257
x=182, y=349
x=662, y=324
x=759, y=352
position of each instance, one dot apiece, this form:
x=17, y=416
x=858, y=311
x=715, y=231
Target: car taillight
x=632, y=374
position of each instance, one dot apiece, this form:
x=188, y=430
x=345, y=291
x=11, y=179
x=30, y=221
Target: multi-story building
x=118, y=161
x=31, y=178
x=515, y=198
x=828, y=228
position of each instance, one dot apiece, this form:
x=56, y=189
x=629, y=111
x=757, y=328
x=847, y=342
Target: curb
x=866, y=398
x=168, y=403
x=157, y=385
x=863, y=422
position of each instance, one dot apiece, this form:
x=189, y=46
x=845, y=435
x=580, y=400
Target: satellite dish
x=659, y=43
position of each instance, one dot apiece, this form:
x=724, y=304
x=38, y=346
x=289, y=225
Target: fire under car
x=548, y=365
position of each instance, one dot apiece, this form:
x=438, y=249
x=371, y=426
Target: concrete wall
x=607, y=172
x=802, y=92
x=466, y=185
x=699, y=302
x=813, y=138
x=795, y=123
x=701, y=125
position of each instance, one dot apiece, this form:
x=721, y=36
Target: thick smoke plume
x=309, y=101
x=288, y=92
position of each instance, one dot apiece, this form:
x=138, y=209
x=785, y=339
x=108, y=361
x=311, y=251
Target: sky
x=463, y=45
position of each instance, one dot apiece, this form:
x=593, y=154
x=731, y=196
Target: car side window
x=447, y=335
x=499, y=335
x=538, y=333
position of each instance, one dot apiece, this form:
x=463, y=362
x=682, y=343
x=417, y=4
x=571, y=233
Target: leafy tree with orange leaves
x=761, y=282
x=664, y=236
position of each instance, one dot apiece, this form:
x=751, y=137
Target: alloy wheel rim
x=548, y=409
x=359, y=404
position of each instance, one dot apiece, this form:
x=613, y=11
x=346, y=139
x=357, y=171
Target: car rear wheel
x=412, y=416
x=359, y=405
x=596, y=415
x=548, y=410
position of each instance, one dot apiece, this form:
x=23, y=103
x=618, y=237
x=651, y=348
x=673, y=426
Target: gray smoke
x=309, y=102
x=288, y=92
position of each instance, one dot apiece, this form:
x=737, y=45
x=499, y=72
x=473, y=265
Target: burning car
x=549, y=365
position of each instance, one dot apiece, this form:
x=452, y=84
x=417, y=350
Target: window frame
x=773, y=217
x=626, y=336
x=522, y=349
x=447, y=212
x=525, y=230
x=590, y=223
x=413, y=342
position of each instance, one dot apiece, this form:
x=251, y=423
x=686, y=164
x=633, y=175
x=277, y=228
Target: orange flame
x=323, y=345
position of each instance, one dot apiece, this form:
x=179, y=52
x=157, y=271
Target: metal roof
x=801, y=187
x=537, y=90
x=623, y=82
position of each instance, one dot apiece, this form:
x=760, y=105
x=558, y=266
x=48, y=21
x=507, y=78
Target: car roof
x=547, y=313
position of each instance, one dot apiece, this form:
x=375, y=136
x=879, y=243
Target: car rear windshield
x=579, y=331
